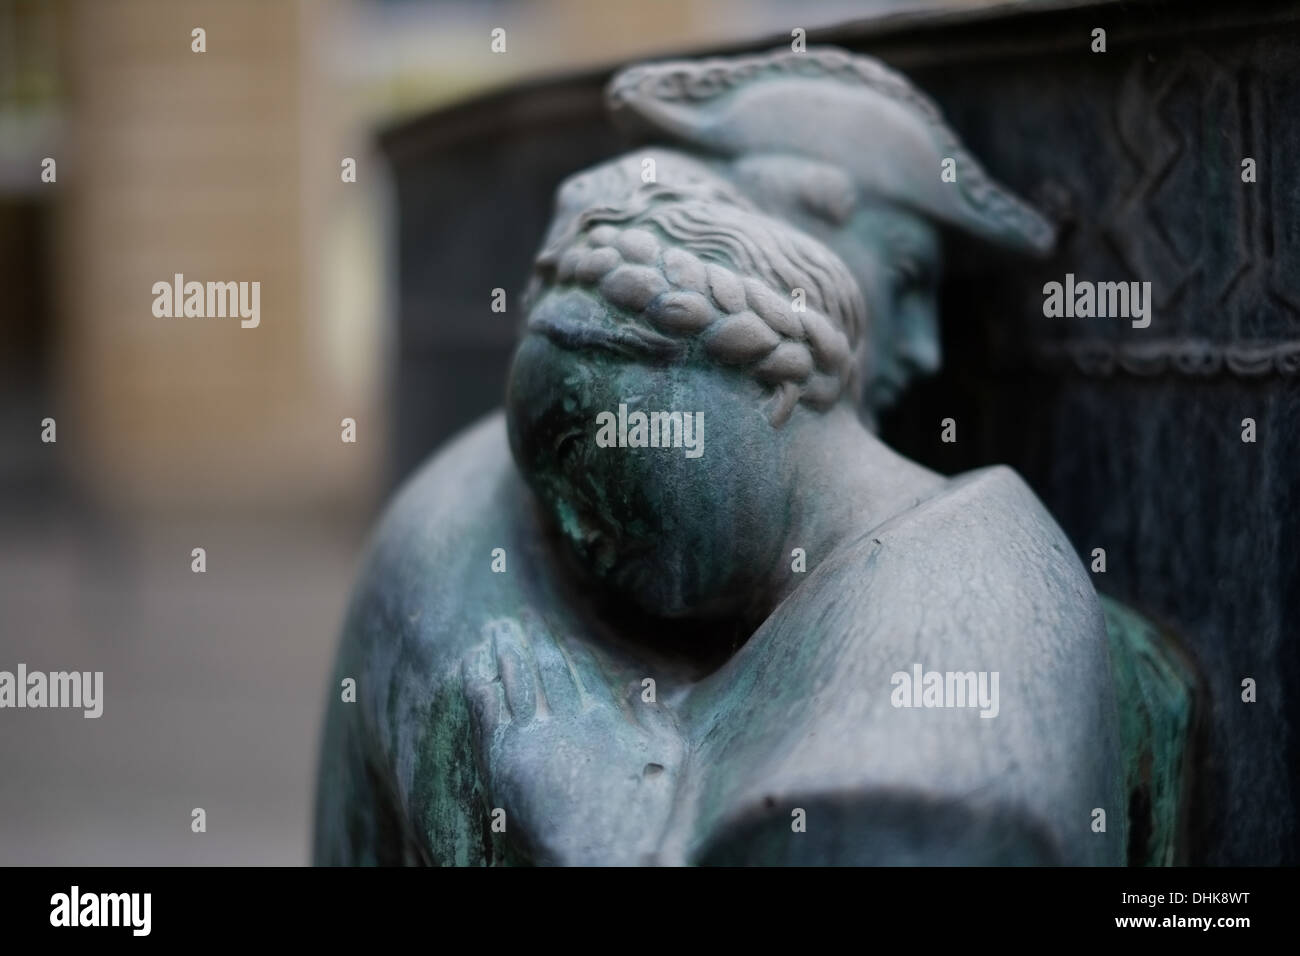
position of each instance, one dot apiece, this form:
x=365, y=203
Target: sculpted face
x=897, y=254
x=674, y=534
x=893, y=254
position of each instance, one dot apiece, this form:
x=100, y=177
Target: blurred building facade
x=222, y=165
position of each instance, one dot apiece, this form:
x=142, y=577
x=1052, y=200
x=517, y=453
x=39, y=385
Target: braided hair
x=671, y=275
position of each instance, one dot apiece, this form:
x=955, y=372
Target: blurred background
x=174, y=434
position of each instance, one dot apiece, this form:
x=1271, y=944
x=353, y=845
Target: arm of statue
x=359, y=820
x=586, y=772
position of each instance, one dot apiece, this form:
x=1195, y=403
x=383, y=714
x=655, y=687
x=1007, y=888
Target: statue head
x=892, y=251
x=851, y=152
x=723, y=301
x=678, y=350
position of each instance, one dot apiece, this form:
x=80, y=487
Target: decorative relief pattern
x=1182, y=127
x=1189, y=357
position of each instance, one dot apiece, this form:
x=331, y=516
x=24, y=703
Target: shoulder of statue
x=984, y=536
x=990, y=498
x=429, y=560
x=972, y=582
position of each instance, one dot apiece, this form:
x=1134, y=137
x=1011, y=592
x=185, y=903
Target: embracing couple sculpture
x=689, y=659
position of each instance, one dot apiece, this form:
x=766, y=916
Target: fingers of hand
x=516, y=667
x=483, y=690
x=564, y=693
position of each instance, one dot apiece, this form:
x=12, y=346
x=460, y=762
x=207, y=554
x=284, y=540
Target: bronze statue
x=679, y=604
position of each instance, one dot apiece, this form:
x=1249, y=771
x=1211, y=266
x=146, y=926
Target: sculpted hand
x=586, y=772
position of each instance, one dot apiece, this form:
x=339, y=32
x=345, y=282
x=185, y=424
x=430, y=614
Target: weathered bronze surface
x=682, y=624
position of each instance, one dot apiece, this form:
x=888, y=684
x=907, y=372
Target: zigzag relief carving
x=1186, y=357
x=1184, y=127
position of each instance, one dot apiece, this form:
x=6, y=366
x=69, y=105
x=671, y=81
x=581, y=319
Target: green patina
x=1154, y=686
